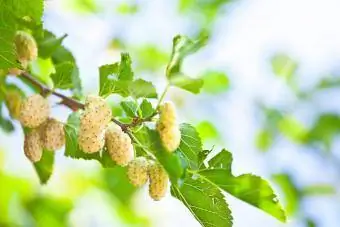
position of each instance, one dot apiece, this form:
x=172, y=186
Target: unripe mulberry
x=13, y=100
x=26, y=47
x=168, y=128
x=119, y=145
x=32, y=146
x=34, y=111
x=52, y=134
x=158, y=181
x=137, y=171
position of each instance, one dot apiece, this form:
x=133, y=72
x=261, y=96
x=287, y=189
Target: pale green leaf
x=141, y=88
x=215, y=82
x=189, y=84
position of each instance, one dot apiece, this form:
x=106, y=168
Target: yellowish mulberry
x=52, y=134
x=13, y=100
x=119, y=145
x=158, y=181
x=168, y=127
x=34, y=111
x=26, y=47
x=91, y=143
x=32, y=146
x=137, y=171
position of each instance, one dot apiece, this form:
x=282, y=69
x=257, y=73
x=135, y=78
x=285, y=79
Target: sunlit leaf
x=44, y=167
x=215, y=82
x=141, y=88
x=207, y=131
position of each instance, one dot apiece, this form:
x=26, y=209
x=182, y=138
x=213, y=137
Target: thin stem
x=140, y=145
x=163, y=96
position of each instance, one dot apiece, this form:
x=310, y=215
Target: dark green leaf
x=222, y=160
x=71, y=134
x=215, y=82
x=146, y=109
x=204, y=201
x=44, y=167
x=130, y=108
x=65, y=76
x=189, y=84
x=190, y=145
x=141, y=88
x=48, y=44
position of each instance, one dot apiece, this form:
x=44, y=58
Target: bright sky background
x=244, y=39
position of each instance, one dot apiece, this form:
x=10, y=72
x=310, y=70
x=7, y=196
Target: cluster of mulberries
x=93, y=122
x=168, y=127
x=140, y=170
x=26, y=47
x=45, y=132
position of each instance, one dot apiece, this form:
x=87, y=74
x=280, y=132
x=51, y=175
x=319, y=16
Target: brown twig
x=75, y=105
x=44, y=90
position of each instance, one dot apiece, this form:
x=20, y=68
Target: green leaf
x=182, y=47
x=146, y=109
x=5, y=124
x=141, y=88
x=151, y=58
x=118, y=184
x=71, y=135
x=48, y=44
x=215, y=82
x=325, y=128
x=10, y=14
x=130, y=108
x=66, y=75
x=207, y=131
x=247, y=187
x=318, y=190
x=190, y=145
x=293, y=129
x=150, y=141
x=125, y=68
x=204, y=201
x=264, y=140
x=44, y=167
x=189, y=84
x=48, y=211
x=284, y=66
x=290, y=191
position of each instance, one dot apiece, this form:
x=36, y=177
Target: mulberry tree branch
x=75, y=105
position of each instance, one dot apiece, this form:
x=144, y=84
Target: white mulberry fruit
x=91, y=142
x=13, y=99
x=32, y=146
x=158, y=181
x=34, y=111
x=93, y=122
x=168, y=128
x=119, y=145
x=26, y=47
x=52, y=134
x=137, y=171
